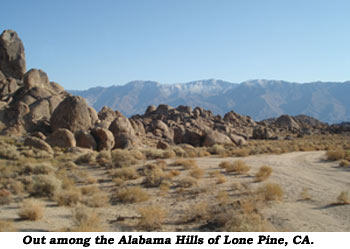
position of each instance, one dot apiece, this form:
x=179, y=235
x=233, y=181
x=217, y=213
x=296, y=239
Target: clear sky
x=85, y=43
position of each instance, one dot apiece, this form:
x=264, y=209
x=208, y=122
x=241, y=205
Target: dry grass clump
x=104, y=158
x=31, y=210
x=239, y=167
x=270, y=192
x=5, y=197
x=198, y=211
x=154, y=175
x=221, y=179
x=218, y=149
x=152, y=153
x=152, y=217
x=344, y=163
x=122, y=158
x=44, y=186
x=86, y=220
x=132, y=195
x=187, y=182
x=197, y=173
x=335, y=155
x=69, y=197
x=185, y=163
x=305, y=195
x=243, y=152
x=96, y=200
x=263, y=173
x=9, y=152
x=38, y=169
x=87, y=158
x=343, y=198
x=225, y=164
x=6, y=226
x=125, y=174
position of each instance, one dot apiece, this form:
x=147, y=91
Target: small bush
x=305, y=195
x=125, y=174
x=154, y=175
x=197, y=173
x=225, y=164
x=263, y=173
x=238, y=167
x=197, y=212
x=44, y=186
x=271, y=192
x=343, y=198
x=186, y=163
x=244, y=152
x=152, y=217
x=344, y=163
x=5, y=197
x=96, y=200
x=87, y=158
x=68, y=197
x=86, y=220
x=104, y=157
x=335, y=155
x=187, y=182
x=132, y=195
x=122, y=158
x=6, y=226
x=31, y=210
x=220, y=180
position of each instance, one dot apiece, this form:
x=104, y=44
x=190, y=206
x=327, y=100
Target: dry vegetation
x=141, y=184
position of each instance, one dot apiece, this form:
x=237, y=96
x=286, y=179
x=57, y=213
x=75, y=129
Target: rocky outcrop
x=215, y=137
x=74, y=114
x=85, y=140
x=104, y=138
x=38, y=144
x=123, y=132
x=12, y=57
x=62, y=138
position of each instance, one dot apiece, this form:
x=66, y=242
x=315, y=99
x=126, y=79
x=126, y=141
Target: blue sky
x=85, y=43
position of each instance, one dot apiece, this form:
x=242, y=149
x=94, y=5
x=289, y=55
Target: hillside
x=260, y=99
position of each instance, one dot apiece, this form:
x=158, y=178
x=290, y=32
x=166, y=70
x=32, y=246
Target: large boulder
x=214, y=137
x=36, y=78
x=38, y=144
x=74, y=114
x=106, y=115
x=104, y=138
x=62, y=138
x=123, y=132
x=85, y=140
x=287, y=122
x=262, y=132
x=12, y=57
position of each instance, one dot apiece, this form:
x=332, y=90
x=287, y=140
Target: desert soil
x=293, y=171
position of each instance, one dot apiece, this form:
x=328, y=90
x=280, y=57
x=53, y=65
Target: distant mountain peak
x=259, y=98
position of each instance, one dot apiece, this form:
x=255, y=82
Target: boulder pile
x=46, y=116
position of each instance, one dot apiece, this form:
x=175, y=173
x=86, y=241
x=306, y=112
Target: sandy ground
x=293, y=171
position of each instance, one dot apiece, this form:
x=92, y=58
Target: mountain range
x=261, y=99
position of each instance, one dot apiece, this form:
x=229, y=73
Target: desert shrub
x=70, y=165
x=162, y=164
x=197, y=212
x=243, y=152
x=6, y=226
x=344, y=163
x=217, y=149
x=125, y=173
x=343, y=198
x=225, y=164
x=271, y=192
x=335, y=155
x=38, y=169
x=152, y=153
x=96, y=200
x=87, y=158
x=154, y=175
x=197, y=173
x=68, y=197
x=187, y=182
x=122, y=158
x=180, y=152
x=132, y=195
x=186, y=163
x=44, y=186
x=104, y=157
x=137, y=154
x=5, y=197
x=152, y=217
x=238, y=167
x=263, y=173
x=165, y=186
x=86, y=220
x=305, y=195
x=31, y=210
x=9, y=152
x=220, y=180
x=168, y=153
